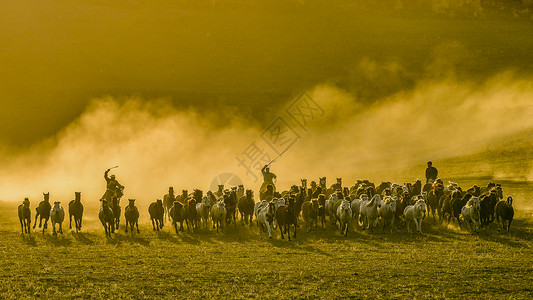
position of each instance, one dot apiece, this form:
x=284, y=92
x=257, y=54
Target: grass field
x=241, y=263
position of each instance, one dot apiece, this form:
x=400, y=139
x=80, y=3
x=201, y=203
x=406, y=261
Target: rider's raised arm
x=263, y=170
x=106, y=175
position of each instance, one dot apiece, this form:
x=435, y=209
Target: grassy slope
x=240, y=263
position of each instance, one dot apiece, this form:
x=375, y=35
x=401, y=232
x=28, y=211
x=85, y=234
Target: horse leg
x=61, y=227
x=281, y=230
x=153, y=225
x=54, y=228
x=35, y=223
x=269, y=230
x=289, y=230
x=345, y=230
x=70, y=221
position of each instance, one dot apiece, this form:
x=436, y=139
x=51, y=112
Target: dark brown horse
x=157, y=214
x=24, y=214
x=115, y=206
x=43, y=210
x=434, y=199
x=106, y=217
x=246, y=207
x=177, y=214
x=487, y=204
x=286, y=216
x=504, y=210
x=131, y=214
x=75, y=209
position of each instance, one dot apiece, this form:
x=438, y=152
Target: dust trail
x=157, y=146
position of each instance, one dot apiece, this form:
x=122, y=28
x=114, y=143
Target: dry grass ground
x=240, y=263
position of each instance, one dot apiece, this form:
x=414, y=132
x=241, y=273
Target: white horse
x=356, y=207
x=203, y=209
x=331, y=207
x=344, y=215
x=368, y=212
x=218, y=213
x=57, y=215
x=414, y=214
x=386, y=212
x=265, y=214
x=470, y=214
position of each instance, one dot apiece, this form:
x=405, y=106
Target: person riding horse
x=113, y=187
x=431, y=173
x=268, y=178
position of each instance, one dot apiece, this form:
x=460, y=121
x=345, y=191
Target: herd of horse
x=364, y=205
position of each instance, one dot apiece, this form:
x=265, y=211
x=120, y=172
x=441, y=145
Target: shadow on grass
x=29, y=239
x=84, y=237
x=58, y=240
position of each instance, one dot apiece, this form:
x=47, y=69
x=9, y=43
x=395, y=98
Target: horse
x=218, y=213
x=356, y=207
x=24, y=214
x=504, y=210
x=416, y=188
x=75, y=209
x=285, y=217
x=107, y=218
x=240, y=191
x=168, y=201
x=116, y=211
x=457, y=205
x=344, y=215
x=177, y=214
x=487, y=204
x=131, y=214
x=470, y=214
x=322, y=209
x=183, y=197
x=264, y=214
x=331, y=206
x=434, y=197
x=246, y=207
x=447, y=205
x=368, y=212
x=231, y=205
x=310, y=213
x=387, y=212
x=415, y=214
x=220, y=190
x=203, y=208
x=191, y=215
x=57, y=215
x=157, y=214
x=43, y=210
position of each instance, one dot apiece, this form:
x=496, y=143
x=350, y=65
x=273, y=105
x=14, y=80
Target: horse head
x=46, y=197
x=322, y=181
x=77, y=196
x=304, y=182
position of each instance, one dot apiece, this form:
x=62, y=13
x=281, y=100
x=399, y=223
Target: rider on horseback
x=268, y=178
x=114, y=188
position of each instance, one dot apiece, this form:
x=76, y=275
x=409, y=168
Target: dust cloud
x=157, y=145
